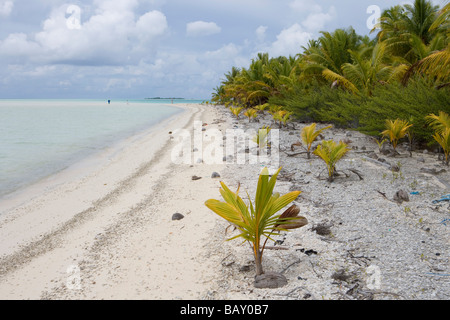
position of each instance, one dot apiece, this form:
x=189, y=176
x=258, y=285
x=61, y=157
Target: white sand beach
x=111, y=226
x=108, y=233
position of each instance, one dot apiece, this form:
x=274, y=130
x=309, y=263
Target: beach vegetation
x=282, y=117
x=262, y=107
x=251, y=114
x=396, y=130
x=261, y=138
x=331, y=152
x=442, y=137
x=236, y=111
x=439, y=122
x=309, y=134
x=257, y=221
x=400, y=71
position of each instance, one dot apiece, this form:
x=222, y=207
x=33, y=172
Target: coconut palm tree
x=436, y=64
x=371, y=66
x=419, y=17
x=406, y=29
x=324, y=58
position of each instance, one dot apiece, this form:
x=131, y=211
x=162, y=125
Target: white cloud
x=261, y=33
x=316, y=18
x=316, y=21
x=305, y=6
x=6, y=7
x=113, y=35
x=202, y=28
x=290, y=41
x=17, y=45
x=152, y=24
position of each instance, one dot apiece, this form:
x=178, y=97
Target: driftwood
x=276, y=248
x=294, y=154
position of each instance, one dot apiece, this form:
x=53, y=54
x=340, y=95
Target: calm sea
x=41, y=137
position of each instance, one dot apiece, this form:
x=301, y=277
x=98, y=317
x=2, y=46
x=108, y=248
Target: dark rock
x=307, y=252
x=373, y=155
x=245, y=268
x=401, y=196
x=340, y=275
x=432, y=170
x=310, y=252
x=215, y=175
x=270, y=280
x=196, y=178
x=322, y=229
x=177, y=216
x=394, y=168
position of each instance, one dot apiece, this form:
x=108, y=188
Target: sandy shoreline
x=112, y=232
x=113, y=228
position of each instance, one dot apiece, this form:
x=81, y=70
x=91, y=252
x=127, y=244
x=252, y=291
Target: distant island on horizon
x=159, y=98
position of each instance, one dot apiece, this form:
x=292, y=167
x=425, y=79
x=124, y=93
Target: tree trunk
x=258, y=264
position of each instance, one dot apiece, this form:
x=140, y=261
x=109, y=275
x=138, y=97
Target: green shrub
x=368, y=114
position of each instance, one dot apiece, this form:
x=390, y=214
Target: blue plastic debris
x=415, y=192
x=439, y=274
x=444, y=222
x=443, y=198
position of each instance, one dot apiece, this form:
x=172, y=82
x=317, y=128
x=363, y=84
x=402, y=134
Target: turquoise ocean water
x=41, y=137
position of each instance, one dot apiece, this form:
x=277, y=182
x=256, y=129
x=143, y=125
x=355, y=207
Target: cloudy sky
x=134, y=49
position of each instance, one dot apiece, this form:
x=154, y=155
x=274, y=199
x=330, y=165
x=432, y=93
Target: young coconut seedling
x=309, y=135
x=236, y=111
x=396, y=130
x=259, y=219
x=251, y=114
x=331, y=152
x=443, y=138
x=261, y=137
x=439, y=122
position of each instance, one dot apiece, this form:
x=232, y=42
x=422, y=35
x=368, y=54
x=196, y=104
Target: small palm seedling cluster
x=441, y=124
x=329, y=151
x=398, y=129
x=258, y=219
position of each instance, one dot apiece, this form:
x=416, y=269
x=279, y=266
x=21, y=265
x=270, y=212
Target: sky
x=130, y=49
